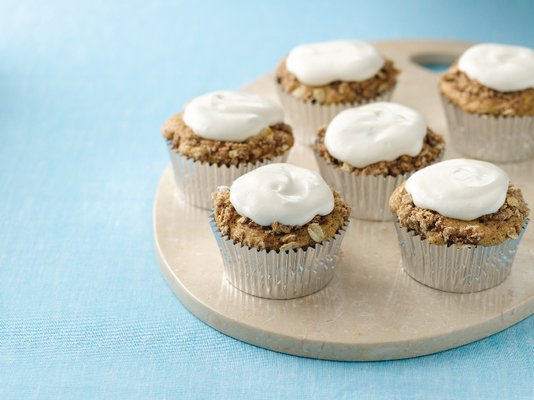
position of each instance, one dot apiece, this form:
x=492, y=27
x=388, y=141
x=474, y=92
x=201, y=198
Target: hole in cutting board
x=434, y=62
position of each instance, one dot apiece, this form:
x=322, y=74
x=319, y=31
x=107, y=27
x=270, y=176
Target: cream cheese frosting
x=459, y=188
x=375, y=132
x=231, y=116
x=318, y=64
x=500, y=67
x=281, y=193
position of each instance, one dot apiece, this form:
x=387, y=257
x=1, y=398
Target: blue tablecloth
x=84, y=88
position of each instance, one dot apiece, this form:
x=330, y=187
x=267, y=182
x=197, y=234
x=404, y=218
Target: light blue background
x=84, y=88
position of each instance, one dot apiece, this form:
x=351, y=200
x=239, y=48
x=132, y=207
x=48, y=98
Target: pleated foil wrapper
x=196, y=180
x=491, y=138
x=367, y=195
x=456, y=269
x=306, y=117
x=278, y=274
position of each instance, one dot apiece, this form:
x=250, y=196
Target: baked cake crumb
x=277, y=236
x=339, y=91
x=487, y=230
x=271, y=142
x=433, y=148
x=473, y=97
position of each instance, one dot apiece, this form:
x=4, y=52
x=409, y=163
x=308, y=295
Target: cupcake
x=316, y=81
x=219, y=137
x=459, y=224
x=367, y=151
x=279, y=229
x=488, y=96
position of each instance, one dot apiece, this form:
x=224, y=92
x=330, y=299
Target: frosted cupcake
x=367, y=151
x=488, y=98
x=459, y=224
x=279, y=229
x=318, y=80
x=219, y=137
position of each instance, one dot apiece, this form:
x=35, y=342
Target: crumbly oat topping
x=473, y=97
x=488, y=230
x=277, y=236
x=433, y=147
x=338, y=91
x=271, y=142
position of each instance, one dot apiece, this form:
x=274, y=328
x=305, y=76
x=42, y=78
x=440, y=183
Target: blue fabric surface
x=84, y=311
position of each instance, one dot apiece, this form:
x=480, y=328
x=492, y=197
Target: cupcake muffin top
x=492, y=79
x=318, y=64
x=379, y=139
x=462, y=202
x=341, y=71
x=279, y=207
x=227, y=128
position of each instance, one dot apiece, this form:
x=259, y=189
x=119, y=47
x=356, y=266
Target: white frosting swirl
x=500, y=67
x=319, y=64
x=281, y=193
x=375, y=132
x=459, y=188
x=231, y=116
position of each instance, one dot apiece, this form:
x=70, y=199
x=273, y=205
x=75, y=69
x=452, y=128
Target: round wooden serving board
x=371, y=310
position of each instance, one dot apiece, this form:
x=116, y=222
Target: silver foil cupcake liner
x=487, y=137
x=458, y=269
x=197, y=180
x=368, y=195
x=306, y=117
x=278, y=274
